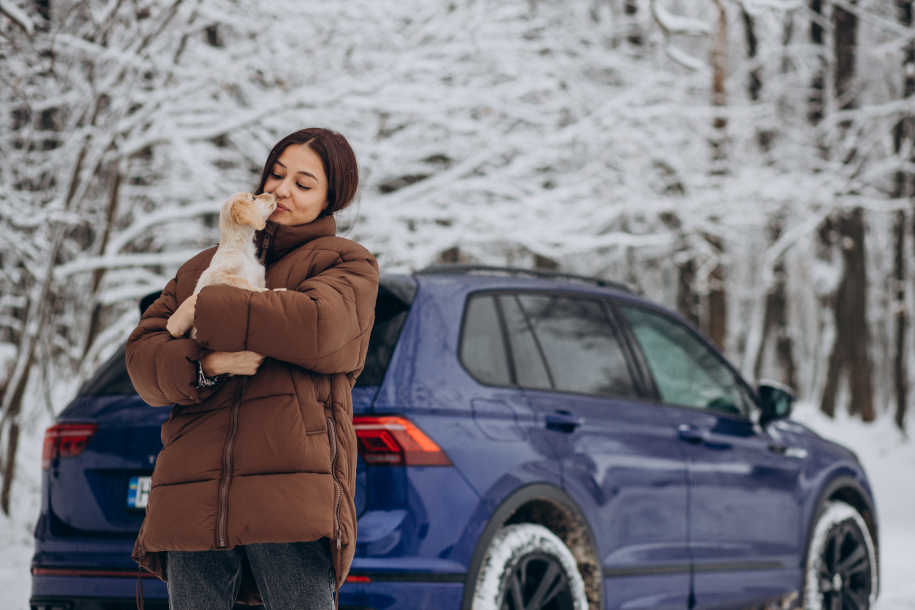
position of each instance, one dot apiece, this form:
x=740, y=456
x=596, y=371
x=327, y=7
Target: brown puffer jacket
x=271, y=457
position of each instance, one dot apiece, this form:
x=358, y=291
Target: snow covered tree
x=700, y=161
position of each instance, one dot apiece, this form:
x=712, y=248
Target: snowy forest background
x=750, y=163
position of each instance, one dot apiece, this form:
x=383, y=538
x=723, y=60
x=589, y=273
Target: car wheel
x=527, y=567
x=841, y=561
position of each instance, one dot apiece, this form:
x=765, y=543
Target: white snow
x=19, y=16
x=678, y=24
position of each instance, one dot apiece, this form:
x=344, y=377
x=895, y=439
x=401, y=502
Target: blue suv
x=527, y=441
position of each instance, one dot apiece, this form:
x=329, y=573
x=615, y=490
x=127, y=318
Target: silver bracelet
x=202, y=380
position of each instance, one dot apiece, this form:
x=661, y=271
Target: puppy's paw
x=279, y=290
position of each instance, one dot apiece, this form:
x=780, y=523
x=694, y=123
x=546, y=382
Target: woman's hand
x=235, y=363
x=183, y=318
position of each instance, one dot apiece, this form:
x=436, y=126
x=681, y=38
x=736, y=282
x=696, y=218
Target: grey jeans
x=289, y=576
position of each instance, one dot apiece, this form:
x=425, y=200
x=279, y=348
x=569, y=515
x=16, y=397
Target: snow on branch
x=144, y=223
x=17, y=16
x=684, y=59
x=672, y=24
x=117, y=261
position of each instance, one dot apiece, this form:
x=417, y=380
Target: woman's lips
x=281, y=208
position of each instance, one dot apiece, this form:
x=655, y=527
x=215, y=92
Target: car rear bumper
x=118, y=593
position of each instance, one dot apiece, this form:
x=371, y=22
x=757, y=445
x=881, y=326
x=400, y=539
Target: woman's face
x=297, y=180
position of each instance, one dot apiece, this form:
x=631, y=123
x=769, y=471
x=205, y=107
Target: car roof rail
x=468, y=269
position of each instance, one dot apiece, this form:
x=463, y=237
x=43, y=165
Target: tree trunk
x=687, y=299
x=754, y=83
x=715, y=313
x=719, y=93
x=764, y=137
x=903, y=136
x=775, y=322
x=850, y=350
x=817, y=101
x=845, y=40
x=900, y=376
x=855, y=313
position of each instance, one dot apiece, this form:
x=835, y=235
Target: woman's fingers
x=253, y=360
x=234, y=363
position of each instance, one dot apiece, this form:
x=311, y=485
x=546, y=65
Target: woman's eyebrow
x=312, y=176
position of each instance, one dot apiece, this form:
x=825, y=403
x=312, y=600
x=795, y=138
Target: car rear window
x=395, y=294
x=111, y=379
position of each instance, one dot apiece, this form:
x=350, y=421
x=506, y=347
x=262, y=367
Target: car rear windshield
x=395, y=294
x=394, y=298
x=111, y=379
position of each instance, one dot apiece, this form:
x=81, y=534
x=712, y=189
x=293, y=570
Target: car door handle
x=790, y=452
x=692, y=434
x=563, y=422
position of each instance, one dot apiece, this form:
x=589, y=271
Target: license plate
x=138, y=492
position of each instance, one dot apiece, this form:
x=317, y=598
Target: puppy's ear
x=244, y=213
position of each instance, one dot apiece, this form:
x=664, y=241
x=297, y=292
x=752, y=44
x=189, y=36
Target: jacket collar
x=276, y=240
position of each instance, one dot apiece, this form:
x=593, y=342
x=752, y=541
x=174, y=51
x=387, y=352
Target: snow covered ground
x=888, y=457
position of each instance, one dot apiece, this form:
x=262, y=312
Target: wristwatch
x=202, y=380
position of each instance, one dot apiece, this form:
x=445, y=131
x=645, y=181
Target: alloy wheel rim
x=845, y=569
x=537, y=582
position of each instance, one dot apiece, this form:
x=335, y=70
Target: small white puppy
x=235, y=262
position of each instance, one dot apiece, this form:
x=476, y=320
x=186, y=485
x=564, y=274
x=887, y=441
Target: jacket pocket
x=311, y=408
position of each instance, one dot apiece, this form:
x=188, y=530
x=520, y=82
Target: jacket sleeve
x=164, y=369
x=322, y=325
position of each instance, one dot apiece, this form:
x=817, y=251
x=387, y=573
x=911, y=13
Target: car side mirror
x=775, y=399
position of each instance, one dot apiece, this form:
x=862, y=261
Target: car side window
x=581, y=349
x=482, y=349
x=530, y=370
x=686, y=371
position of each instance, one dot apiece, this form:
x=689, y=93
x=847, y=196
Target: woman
x=252, y=494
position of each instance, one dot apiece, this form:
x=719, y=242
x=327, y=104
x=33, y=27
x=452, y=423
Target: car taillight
x=65, y=440
x=390, y=440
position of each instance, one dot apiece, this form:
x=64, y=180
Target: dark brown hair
x=339, y=164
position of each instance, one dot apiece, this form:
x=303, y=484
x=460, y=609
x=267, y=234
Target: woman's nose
x=281, y=191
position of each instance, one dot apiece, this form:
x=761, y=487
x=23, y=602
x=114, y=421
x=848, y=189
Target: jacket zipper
x=265, y=249
x=224, y=490
x=333, y=462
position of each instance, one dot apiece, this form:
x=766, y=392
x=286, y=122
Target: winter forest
x=749, y=163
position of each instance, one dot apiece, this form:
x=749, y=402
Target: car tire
x=527, y=567
x=841, y=570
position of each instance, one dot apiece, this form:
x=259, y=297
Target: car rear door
x=744, y=497
x=618, y=453
x=510, y=433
